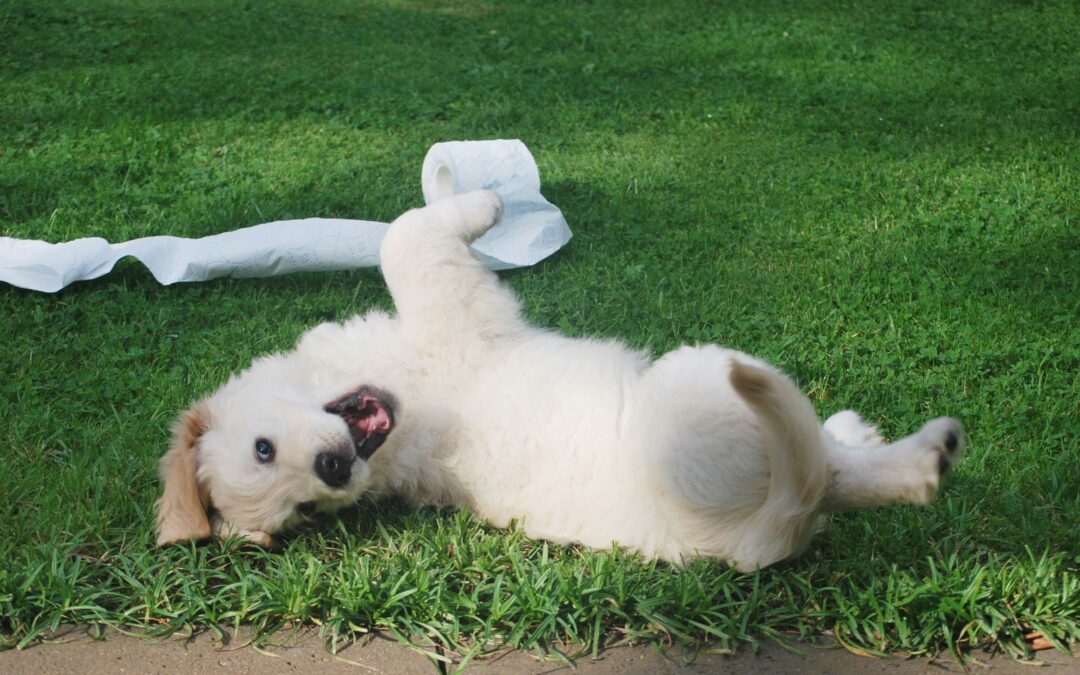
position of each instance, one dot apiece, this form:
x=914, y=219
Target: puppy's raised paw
x=478, y=211
x=467, y=215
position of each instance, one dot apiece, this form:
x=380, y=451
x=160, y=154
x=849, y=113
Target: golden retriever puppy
x=458, y=401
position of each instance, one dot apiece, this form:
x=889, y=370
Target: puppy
x=456, y=400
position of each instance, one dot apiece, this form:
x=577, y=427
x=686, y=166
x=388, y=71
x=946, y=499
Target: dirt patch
x=72, y=650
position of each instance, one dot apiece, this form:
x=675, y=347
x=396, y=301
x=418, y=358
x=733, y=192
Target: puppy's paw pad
x=945, y=436
x=942, y=445
x=852, y=430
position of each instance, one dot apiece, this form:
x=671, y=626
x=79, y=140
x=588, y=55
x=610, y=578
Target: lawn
x=881, y=199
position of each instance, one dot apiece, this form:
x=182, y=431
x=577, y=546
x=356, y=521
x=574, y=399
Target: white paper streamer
x=530, y=229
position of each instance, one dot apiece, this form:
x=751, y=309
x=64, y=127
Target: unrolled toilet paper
x=531, y=228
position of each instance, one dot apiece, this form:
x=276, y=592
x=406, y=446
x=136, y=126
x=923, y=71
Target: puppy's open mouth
x=369, y=414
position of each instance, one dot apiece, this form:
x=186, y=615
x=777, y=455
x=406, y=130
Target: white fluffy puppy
x=457, y=401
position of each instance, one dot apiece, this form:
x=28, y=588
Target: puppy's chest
x=544, y=410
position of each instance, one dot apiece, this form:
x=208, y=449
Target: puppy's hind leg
x=908, y=471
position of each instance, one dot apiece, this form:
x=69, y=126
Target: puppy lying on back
x=457, y=401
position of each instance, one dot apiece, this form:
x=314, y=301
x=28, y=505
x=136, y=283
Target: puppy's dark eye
x=264, y=450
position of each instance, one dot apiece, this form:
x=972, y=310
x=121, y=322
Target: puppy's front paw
x=476, y=212
x=224, y=530
x=941, y=445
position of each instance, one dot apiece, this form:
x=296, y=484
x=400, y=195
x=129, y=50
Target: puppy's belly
x=551, y=438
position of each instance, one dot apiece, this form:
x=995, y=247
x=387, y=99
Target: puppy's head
x=265, y=452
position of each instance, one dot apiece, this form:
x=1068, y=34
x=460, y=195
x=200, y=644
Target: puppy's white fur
x=706, y=451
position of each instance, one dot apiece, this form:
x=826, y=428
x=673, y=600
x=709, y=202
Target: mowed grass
x=880, y=199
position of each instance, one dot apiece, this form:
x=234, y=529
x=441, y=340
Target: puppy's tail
x=796, y=451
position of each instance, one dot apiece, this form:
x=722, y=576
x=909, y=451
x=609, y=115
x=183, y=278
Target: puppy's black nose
x=333, y=469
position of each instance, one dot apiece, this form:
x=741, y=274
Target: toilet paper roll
x=530, y=229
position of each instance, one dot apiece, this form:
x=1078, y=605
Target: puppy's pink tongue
x=374, y=416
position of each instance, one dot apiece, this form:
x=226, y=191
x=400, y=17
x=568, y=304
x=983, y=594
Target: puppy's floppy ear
x=181, y=510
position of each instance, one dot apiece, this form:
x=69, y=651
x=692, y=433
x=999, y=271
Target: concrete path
x=72, y=651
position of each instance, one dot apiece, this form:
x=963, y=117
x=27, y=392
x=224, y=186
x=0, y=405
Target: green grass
x=882, y=201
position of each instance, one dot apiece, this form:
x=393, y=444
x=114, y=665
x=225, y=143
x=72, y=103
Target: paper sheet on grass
x=531, y=228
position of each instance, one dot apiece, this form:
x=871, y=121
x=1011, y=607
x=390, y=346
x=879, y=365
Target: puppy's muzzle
x=369, y=414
